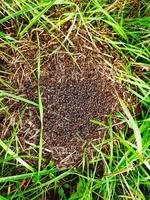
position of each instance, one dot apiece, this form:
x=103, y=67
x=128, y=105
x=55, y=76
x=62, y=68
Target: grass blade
x=15, y=156
x=18, y=98
x=25, y=176
x=40, y=106
x=133, y=126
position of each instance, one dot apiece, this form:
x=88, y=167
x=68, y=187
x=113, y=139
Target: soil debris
x=76, y=86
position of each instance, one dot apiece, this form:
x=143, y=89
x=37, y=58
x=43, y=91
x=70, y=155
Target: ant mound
x=76, y=87
x=73, y=97
x=69, y=107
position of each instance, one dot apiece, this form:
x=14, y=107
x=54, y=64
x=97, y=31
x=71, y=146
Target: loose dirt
x=76, y=87
x=71, y=99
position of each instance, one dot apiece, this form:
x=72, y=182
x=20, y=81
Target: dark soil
x=69, y=105
x=72, y=97
x=74, y=90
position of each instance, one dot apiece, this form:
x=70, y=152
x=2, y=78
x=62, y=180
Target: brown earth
x=76, y=87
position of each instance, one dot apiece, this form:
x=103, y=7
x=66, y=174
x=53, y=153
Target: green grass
x=125, y=173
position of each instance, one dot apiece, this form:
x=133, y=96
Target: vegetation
x=122, y=172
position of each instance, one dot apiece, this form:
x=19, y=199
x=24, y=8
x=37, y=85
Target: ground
x=72, y=95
